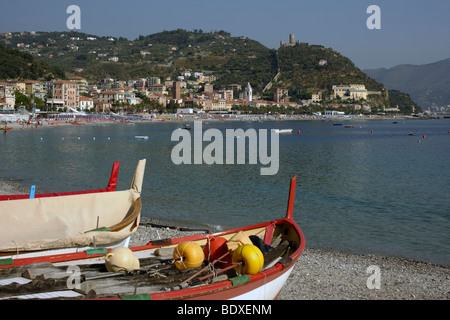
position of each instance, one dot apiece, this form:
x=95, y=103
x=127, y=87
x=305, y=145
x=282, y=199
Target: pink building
x=67, y=92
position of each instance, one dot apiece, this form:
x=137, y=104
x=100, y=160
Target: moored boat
x=228, y=271
x=282, y=131
x=38, y=225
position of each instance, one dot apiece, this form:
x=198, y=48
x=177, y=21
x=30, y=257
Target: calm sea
x=382, y=192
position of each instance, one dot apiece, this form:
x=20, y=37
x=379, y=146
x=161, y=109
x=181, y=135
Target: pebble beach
x=328, y=275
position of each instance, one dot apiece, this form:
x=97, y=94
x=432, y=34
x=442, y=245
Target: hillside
x=15, y=64
x=236, y=59
x=300, y=68
x=427, y=84
x=303, y=69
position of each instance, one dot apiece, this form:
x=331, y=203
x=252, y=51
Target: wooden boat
x=58, y=223
x=84, y=276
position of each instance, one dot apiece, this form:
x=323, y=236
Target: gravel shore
x=327, y=275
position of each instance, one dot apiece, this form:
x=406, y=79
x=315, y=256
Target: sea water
x=378, y=187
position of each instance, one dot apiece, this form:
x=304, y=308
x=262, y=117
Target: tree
x=22, y=100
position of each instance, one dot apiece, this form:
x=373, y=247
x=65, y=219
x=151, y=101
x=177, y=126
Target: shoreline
x=321, y=274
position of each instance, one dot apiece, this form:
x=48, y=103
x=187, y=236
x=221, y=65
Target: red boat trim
x=111, y=187
x=290, y=209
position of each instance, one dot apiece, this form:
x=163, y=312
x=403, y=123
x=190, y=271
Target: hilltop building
x=291, y=43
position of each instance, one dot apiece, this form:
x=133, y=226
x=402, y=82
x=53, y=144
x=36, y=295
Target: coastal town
x=187, y=91
x=182, y=95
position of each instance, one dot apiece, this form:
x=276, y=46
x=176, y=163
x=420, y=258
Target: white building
x=248, y=94
x=86, y=103
x=7, y=95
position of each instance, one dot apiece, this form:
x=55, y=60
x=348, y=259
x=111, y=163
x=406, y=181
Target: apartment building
x=7, y=96
x=67, y=92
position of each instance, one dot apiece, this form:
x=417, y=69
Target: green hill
x=303, y=69
x=15, y=64
x=299, y=65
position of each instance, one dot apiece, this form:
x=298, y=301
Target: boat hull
x=64, y=223
x=283, y=236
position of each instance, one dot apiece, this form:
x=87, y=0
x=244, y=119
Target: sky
x=412, y=31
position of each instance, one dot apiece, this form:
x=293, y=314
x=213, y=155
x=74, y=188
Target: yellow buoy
x=188, y=255
x=251, y=257
x=121, y=259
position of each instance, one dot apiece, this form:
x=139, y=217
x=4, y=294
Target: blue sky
x=412, y=31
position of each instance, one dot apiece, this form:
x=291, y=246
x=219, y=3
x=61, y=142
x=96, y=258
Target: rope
x=17, y=248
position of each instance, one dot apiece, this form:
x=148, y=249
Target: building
x=316, y=97
x=67, y=92
x=35, y=89
x=158, y=97
x=111, y=96
x=248, y=93
x=102, y=106
x=153, y=80
x=291, y=43
x=83, y=84
x=7, y=95
x=176, y=90
x=86, y=103
x=280, y=95
x=352, y=91
x=156, y=88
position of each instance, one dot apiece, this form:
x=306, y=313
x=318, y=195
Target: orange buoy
x=299, y=131
x=251, y=258
x=371, y=131
x=188, y=255
x=216, y=248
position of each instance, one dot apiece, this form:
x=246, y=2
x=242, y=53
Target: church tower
x=248, y=93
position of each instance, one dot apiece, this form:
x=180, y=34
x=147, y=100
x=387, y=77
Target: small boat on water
x=141, y=137
x=282, y=131
x=338, y=124
x=38, y=225
x=349, y=126
x=251, y=263
x=186, y=127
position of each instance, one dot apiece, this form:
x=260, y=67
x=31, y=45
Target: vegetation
x=403, y=101
x=15, y=64
x=232, y=60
